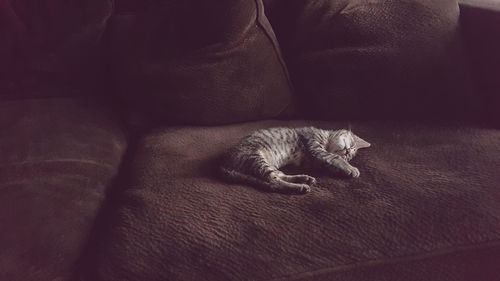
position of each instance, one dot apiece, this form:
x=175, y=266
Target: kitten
x=257, y=158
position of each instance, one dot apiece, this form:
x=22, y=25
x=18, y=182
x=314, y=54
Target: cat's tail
x=238, y=177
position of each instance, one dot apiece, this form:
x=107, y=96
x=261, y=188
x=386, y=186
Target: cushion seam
x=271, y=36
x=395, y=260
x=68, y=160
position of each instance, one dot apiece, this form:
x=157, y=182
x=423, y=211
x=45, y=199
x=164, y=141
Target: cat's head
x=345, y=143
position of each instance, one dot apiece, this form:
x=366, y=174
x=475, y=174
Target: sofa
x=114, y=115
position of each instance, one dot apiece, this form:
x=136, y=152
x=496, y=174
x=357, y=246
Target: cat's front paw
x=353, y=172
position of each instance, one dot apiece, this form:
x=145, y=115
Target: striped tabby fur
x=258, y=158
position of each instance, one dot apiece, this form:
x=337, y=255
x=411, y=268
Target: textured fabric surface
x=51, y=48
x=476, y=263
x=57, y=159
x=480, y=22
x=198, y=62
x=426, y=207
x=380, y=58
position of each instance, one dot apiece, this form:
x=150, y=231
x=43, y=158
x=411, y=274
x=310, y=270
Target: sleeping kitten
x=257, y=158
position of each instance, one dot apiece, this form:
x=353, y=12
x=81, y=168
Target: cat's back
x=270, y=142
x=281, y=136
x=278, y=146
x=313, y=133
x=270, y=137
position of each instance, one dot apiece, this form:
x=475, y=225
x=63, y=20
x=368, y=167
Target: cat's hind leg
x=305, y=179
x=278, y=181
x=275, y=178
x=272, y=182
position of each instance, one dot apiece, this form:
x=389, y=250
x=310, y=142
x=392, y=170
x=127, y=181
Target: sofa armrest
x=59, y=158
x=480, y=23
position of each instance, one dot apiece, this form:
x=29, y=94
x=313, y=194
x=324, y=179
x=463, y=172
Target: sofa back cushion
x=51, y=48
x=377, y=58
x=198, y=62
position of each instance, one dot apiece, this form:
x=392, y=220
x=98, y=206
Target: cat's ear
x=360, y=143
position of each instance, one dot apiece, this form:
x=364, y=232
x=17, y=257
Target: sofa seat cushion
x=197, y=62
x=426, y=207
x=57, y=159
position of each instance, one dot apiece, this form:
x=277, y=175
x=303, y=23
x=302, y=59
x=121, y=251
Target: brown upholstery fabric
x=57, y=159
x=358, y=59
x=480, y=21
x=476, y=263
x=426, y=207
x=198, y=62
x=51, y=48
